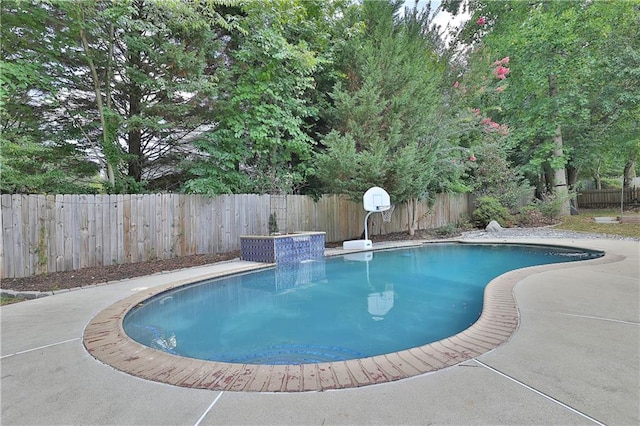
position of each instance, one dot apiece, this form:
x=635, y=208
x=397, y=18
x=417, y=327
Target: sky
x=443, y=18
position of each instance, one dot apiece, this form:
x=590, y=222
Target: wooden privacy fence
x=608, y=197
x=54, y=233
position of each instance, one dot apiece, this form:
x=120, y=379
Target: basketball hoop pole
x=366, y=228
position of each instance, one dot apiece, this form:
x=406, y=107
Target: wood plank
x=75, y=230
x=228, y=221
x=190, y=228
x=176, y=226
x=204, y=225
x=95, y=228
x=83, y=249
x=167, y=209
x=19, y=235
x=109, y=229
x=33, y=235
x=119, y=249
x=8, y=264
x=67, y=231
x=215, y=224
x=262, y=221
x=42, y=251
x=148, y=221
x=137, y=222
x=60, y=236
x=133, y=229
x=50, y=224
x=142, y=228
x=160, y=224
x=126, y=229
x=630, y=219
x=240, y=204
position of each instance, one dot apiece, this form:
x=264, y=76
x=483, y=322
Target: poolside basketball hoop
x=375, y=200
x=386, y=215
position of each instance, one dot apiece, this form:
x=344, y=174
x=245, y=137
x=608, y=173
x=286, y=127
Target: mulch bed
x=102, y=274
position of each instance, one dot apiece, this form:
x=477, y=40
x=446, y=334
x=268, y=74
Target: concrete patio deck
x=575, y=359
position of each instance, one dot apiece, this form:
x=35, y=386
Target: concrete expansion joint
x=538, y=392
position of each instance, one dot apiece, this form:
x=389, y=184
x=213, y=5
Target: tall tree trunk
x=560, y=179
x=596, y=177
x=572, y=176
x=627, y=175
x=548, y=178
x=134, y=136
x=411, y=215
x=572, y=181
x=107, y=142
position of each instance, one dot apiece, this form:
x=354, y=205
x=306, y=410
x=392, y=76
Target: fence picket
x=7, y=238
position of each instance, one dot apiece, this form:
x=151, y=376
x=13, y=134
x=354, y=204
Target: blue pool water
x=336, y=308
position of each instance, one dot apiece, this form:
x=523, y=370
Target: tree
x=261, y=142
x=477, y=92
x=36, y=154
x=130, y=80
x=564, y=90
x=387, y=112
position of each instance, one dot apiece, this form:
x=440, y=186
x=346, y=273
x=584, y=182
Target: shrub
x=447, y=230
x=530, y=215
x=488, y=209
x=464, y=223
x=273, y=224
x=550, y=207
x=494, y=176
x=611, y=183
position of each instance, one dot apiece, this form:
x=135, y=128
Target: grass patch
x=7, y=300
x=584, y=223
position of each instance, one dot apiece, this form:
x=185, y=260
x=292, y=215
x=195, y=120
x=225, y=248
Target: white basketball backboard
x=376, y=199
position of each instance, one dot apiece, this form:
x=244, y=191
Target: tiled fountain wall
x=289, y=248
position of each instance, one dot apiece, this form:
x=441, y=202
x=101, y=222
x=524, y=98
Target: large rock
x=493, y=226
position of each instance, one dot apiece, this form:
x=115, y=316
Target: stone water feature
x=287, y=248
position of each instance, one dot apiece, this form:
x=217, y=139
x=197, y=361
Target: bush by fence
x=53, y=233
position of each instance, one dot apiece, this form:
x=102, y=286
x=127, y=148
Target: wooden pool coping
x=105, y=339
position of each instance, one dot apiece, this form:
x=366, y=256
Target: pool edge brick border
x=104, y=338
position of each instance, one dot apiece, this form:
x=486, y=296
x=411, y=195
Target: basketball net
x=386, y=215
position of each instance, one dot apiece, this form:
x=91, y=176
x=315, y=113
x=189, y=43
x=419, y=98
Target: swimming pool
x=104, y=338
x=335, y=309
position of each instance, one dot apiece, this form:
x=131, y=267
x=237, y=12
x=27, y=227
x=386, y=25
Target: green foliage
x=540, y=212
x=387, y=116
x=273, y=224
x=573, y=83
x=611, y=183
x=448, y=230
x=7, y=299
x=489, y=208
x=31, y=168
x=260, y=143
x=530, y=215
x=550, y=207
x=132, y=83
x=493, y=175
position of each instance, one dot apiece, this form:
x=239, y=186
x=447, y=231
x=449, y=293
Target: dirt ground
x=102, y=274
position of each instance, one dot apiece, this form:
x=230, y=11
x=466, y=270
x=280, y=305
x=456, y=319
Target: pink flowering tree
x=485, y=140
